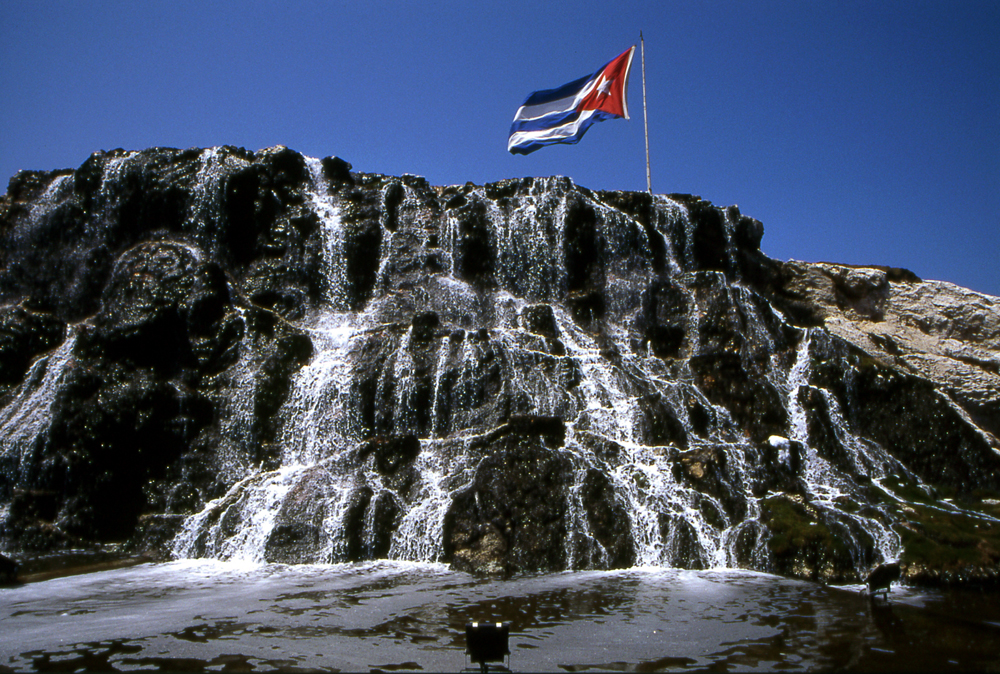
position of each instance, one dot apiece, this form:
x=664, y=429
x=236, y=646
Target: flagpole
x=645, y=119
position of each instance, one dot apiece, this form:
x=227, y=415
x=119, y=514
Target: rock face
x=266, y=356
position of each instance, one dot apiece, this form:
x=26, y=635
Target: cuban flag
x=563, y=115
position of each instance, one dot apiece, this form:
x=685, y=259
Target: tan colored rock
x=936, y=330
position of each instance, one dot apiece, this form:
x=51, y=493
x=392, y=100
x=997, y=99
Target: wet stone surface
x=268, y=357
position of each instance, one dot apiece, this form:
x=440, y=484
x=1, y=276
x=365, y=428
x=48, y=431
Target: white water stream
x=826, y=484
x=666, y=515
x=25, y=419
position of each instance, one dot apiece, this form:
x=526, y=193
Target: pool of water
x=207, y=615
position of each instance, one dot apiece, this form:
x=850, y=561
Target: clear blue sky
x=864, y=132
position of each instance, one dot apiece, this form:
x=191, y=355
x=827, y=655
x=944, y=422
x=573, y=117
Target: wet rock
x=803, y=544
x=369, y=524
x=609, y=521
x=337, y=169
x=30, y=522
x=708, y=246
x=391, y=453
x=681, y=543
x=393, y=459
x=156, y=289
x=141, y=383
x=727, y=380
x=296, y=535
x=154, y=535
x=706, y=469
x=381, y=525
x=361, y=215
x=539, y=319
x=8, y=571
x=661, y=427
x=513, y=516
x=118, y=429
x=780, y=467
x=552, y=429
x=664, y=318
x=424, y=327
x=583, y=247
x=480, y=550
x=293, y=542
x=563, y=358
x=475, y=257
x=907, y=416
x=24, y=335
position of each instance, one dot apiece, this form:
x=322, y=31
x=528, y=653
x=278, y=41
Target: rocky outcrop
x=8, y=571
x=262, y=355
x=506, y=519
x=936, y=330
x=137, y=421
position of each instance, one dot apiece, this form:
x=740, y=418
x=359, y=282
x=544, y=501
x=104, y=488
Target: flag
x=563, y=115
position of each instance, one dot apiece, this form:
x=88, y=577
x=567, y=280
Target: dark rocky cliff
x=261, y=355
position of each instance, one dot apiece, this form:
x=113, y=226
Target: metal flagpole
x=645, y=119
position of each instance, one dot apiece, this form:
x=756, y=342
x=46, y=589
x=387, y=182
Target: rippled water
x=406, y=616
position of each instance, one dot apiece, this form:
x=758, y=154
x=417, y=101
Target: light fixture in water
x=486, y=643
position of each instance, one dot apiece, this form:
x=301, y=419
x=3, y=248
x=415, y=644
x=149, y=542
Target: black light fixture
x=486, y=643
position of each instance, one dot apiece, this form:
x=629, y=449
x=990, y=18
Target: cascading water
x=829, y=487
x=25, y=419
x=524, y=375
x=332, y=231
x=55, y=192
x=644, y=477
x=317, y=423
x=327, y=476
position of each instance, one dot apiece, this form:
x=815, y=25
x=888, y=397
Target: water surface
x=410, y=616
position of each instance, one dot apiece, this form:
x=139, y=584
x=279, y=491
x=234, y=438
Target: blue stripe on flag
x=526, y=142
x=549, y=95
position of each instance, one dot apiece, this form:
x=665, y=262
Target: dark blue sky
x=857, y=132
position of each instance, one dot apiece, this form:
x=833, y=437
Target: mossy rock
x=803, y=544
x=942, y=548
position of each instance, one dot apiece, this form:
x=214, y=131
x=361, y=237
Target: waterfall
x=670, y=521
x=319, y=438
x=25, y=419
x=827, y=485
x=665, y=515
x=688, y=501
x=317, y=422
x=318, y=415
x=57, y=190
x=332, y=232
x=670, y=214
x=419, y=536
x=251, y=505
x=524, y=375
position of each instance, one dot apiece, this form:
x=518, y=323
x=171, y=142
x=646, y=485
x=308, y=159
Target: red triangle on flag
x=610, y=90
